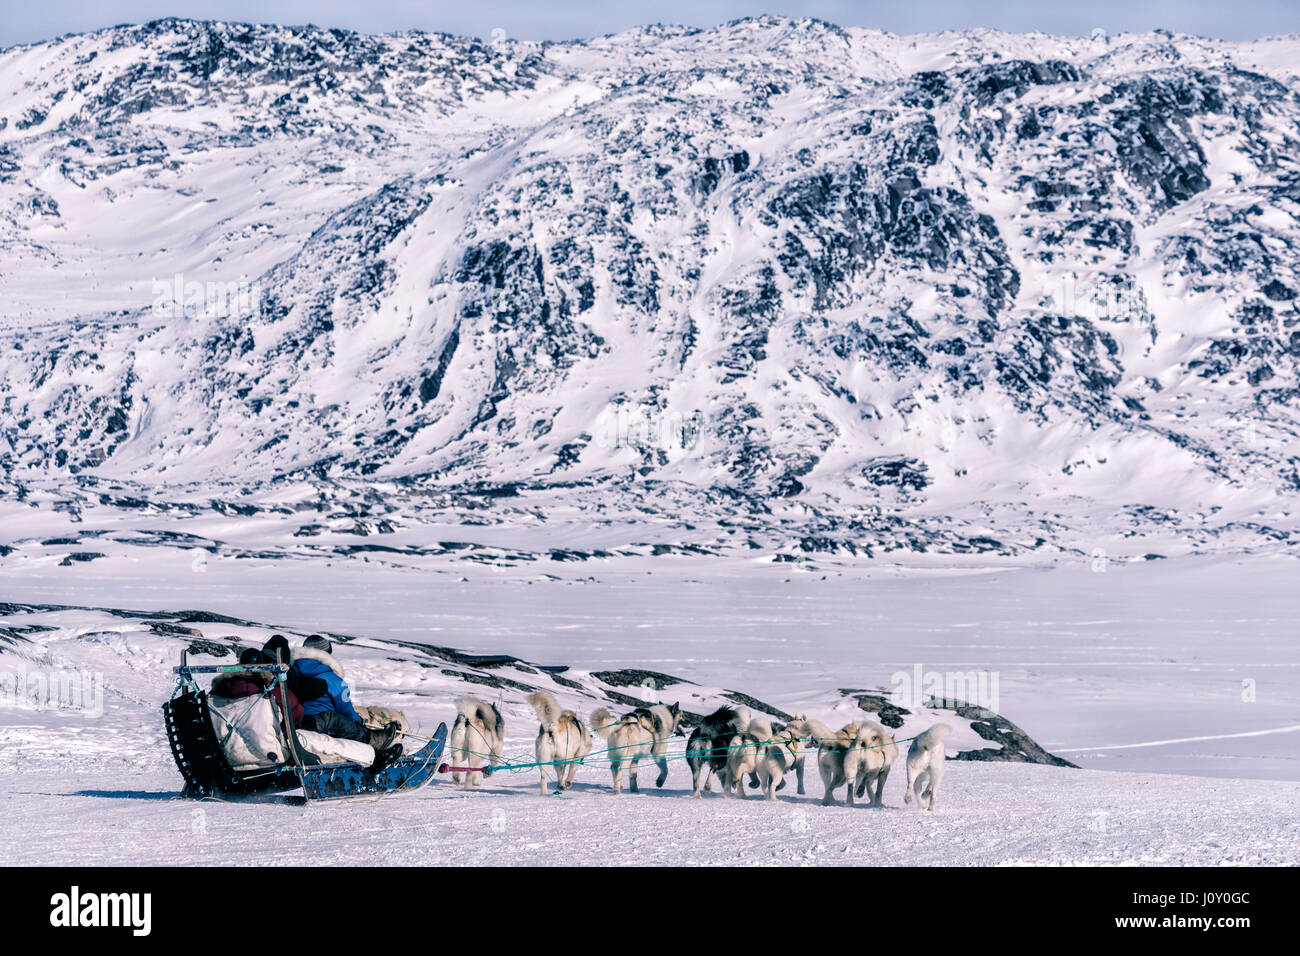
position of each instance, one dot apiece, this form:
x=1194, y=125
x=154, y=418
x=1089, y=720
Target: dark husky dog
x=706, y=750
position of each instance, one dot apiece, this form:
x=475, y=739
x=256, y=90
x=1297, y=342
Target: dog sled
x=243, y=747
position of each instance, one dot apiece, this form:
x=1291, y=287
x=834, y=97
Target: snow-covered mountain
x=773, y=285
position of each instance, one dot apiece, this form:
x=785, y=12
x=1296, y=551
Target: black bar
x=980, y=906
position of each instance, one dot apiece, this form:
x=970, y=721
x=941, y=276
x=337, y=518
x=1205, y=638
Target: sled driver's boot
x=386, y=757
x=383, y=739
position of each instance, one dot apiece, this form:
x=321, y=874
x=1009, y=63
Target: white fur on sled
x=336, y=749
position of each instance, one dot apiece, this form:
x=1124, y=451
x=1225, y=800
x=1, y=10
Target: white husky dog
x=800, y=726
x=744, y=752
x=845, y=756
x=642, y=733
x=872, y=783
x=562, y=741
x=925, y=763
x=476, y=738
x=830, y=757
x=762, y=750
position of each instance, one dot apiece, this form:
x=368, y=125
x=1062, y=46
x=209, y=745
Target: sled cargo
x=245, y=746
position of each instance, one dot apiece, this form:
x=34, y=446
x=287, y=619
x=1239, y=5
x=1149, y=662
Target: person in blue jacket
x=332, y=712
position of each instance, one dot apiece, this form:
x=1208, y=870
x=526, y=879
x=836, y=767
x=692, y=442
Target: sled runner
x=244, y=746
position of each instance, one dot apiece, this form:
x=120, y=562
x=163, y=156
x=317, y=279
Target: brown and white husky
x=762, y=750
x=562, y=741
x=872, y=783
x=642, y=733
x=476, y=738
x=844, y=756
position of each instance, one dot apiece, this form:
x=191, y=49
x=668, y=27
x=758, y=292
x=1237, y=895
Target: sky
x=22, y=21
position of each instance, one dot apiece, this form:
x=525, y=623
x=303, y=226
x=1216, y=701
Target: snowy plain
x=1101, y=667
x=993, y=814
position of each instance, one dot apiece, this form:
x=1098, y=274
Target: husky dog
x=844, y=756
x=830, y=757
x=763, y=751
x=743, y=753
x=707, y=748
x=872, y=783
x=781, y=755
x=476, y=738
x=800, y=726
x=864, y=759
x=925, y=763
x=642, y=733
x=562, y=741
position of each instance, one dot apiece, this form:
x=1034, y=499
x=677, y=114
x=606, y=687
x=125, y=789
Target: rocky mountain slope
x=773, y=285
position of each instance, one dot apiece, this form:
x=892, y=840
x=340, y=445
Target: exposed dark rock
x=209, y=649
x=1017, y=746
x=160, y=627
x=755, y=704
x=637, y=678
x=888, y=713
x=80, y=556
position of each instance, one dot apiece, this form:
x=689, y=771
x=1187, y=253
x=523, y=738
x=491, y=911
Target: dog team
x=728, y=744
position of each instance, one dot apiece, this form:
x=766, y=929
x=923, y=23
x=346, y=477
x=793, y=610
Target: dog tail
x=744, y=717
x=602, y=722
x=931, y=738
x=727, y=719
x=548, y=711
x=820, y=733
x=472, y=707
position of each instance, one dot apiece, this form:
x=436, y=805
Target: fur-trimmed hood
x=321, y=667
x=322, y=657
